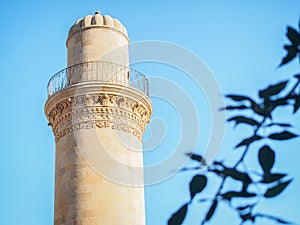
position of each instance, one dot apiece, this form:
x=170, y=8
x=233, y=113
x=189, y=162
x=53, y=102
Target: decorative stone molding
x=98, y=110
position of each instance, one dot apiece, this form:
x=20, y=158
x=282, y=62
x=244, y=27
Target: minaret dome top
x=97, y=20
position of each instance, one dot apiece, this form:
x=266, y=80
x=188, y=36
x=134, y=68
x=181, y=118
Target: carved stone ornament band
x=99, y=110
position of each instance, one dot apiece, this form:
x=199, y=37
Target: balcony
x=98, y=71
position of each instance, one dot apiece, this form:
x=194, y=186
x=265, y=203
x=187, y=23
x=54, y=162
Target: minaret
x=98, y=109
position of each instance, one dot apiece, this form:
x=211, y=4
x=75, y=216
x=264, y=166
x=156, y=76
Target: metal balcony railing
x=97, y=71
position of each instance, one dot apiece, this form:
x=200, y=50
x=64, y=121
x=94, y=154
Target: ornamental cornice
x=94, y=106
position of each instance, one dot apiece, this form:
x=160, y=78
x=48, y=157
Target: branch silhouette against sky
x=250, y=185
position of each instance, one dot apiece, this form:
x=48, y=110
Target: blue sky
x=240, y=41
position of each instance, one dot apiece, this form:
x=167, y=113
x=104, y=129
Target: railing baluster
x=97, y=71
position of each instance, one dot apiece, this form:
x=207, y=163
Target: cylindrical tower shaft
x=98, y=120
x=97, y=38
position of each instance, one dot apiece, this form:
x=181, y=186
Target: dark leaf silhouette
x=211, y=210
x=178, y=217
x=269, y=106
x=276, y=190
x=204, y=200
x=239, y=98
x=270, y=178
x=258, y=109
x=197, y=158
x=243, y=119
x=293, y=48
x=297, y=103
x=239, y=107
x=279, y=102
x=237, y=175
x=279, y=220
x=242, y=208
x=197, y=185
x=285, y=135
x=272, y=90
x=234, y=174
x=266, y=157
x=258, y=115
x=291, y=54
x=248, y=141
x=189, y=168
x=243, y=194
x=247, y=216
x=297, y=76
x=282, y=221
x=280, y=124
x=293, y=36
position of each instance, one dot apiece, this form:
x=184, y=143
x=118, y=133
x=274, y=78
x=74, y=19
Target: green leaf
x=178, y=217
x=285, y=135
x=272, y=90
x=248, y=141
x=276, y=190
x=196, y=157
x=243, y=119
x=238, y=98
x=266, y=157
x=211, y=210
x=270, y=178
x=197, y=185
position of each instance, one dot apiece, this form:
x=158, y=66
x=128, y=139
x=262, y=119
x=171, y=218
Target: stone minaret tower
x=98, y=109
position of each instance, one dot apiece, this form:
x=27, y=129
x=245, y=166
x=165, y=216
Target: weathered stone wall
x=83, y=196
x=97, y=44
